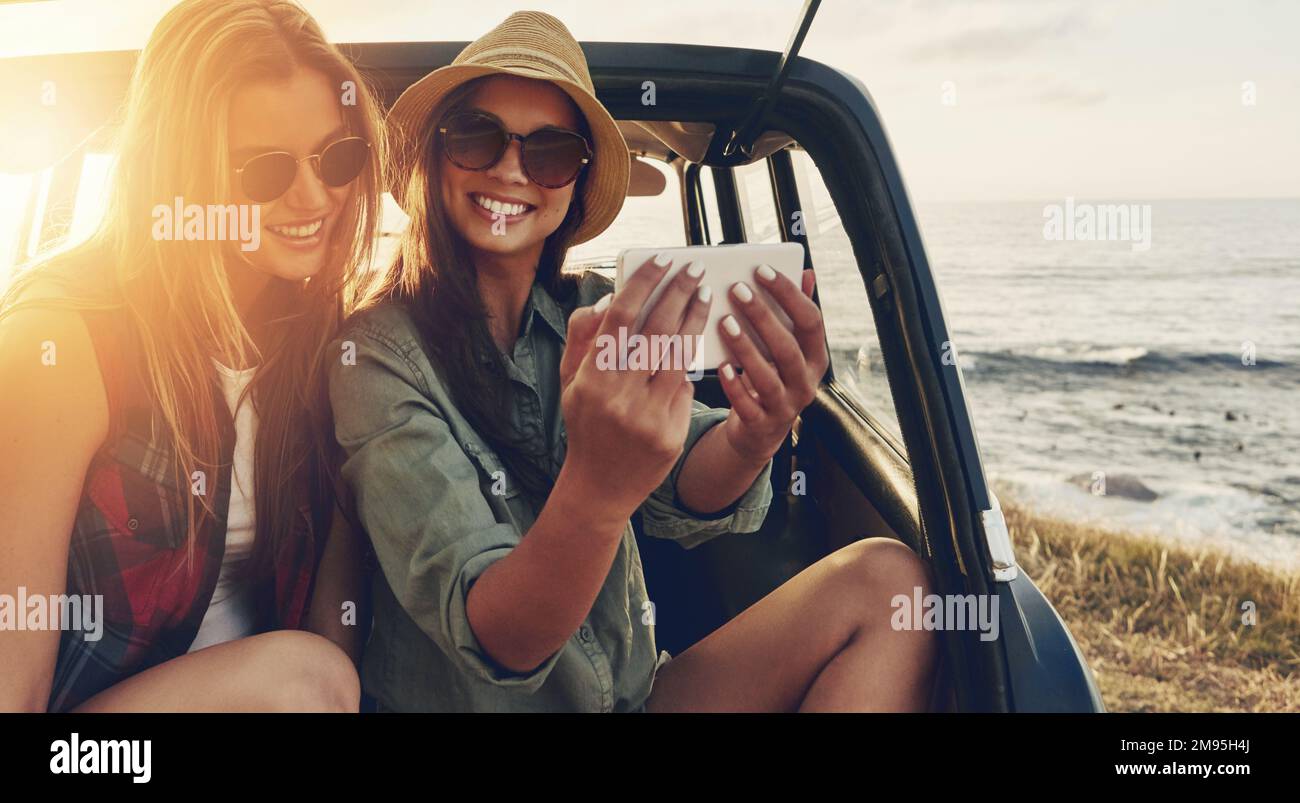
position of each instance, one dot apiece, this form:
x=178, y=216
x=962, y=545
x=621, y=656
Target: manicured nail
x=728, y=373
x=603, y=302
x=743, y=292
x=705, y=294
x=695, y=270
x=663, y=260
x=729, y=323
x=766, y=273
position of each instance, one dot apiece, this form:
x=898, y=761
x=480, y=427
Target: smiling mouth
x=301, y=233
x=495, y=207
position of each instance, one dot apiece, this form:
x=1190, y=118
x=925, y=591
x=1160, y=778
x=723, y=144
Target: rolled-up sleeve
x=418, y=496
x=663, y=515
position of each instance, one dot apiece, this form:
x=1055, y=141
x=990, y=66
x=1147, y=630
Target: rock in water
x=1125, y=486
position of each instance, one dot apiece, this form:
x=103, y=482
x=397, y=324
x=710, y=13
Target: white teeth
x=298, y=231
x=497, y=207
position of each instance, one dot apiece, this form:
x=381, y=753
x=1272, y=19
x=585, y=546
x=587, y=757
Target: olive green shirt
x=439, y=509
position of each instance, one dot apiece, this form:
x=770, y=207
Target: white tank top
x=232, y=614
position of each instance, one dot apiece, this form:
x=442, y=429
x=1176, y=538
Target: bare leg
x=820, y=642
x=284, y=670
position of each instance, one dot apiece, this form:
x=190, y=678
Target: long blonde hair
x=172, y=141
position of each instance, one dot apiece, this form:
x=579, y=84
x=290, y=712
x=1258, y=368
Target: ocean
x=1177, y=366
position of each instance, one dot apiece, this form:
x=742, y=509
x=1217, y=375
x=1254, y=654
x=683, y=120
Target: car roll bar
x=743, y=135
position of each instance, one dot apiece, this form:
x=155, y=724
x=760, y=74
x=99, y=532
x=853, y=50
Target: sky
x=997, y=100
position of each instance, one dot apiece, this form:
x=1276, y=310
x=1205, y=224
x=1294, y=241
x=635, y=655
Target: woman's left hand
x=768, y=396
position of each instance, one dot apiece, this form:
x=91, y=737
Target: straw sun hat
x=530, y=44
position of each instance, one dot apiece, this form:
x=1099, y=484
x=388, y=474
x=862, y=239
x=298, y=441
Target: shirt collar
x=541, y=302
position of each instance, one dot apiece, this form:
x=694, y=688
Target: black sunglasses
x=552, y=157
x=267, y=176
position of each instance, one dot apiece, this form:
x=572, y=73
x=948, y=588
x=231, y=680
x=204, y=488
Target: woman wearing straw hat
x=473, y=411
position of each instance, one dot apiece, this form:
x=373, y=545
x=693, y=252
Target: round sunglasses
x=267, y=176
x=552, y=157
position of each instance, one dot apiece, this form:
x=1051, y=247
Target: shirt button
x=133, y=523
x=585, y=633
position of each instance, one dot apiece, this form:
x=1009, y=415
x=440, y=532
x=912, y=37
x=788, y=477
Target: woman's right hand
x=626, y=426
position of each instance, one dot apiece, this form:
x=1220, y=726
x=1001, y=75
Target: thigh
x=284, y=670
x=766, y=658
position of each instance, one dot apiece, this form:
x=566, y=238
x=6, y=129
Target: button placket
x=600, y=663
x=530, y=407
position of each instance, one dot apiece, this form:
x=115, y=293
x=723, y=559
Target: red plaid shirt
x=130, y=540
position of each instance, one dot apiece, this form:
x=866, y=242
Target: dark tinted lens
x=473, y=141
x=268, y=176
x=553, y=158
x=343, y=161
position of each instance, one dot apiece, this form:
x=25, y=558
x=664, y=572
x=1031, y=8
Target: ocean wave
x=1113, y=355
x=1125, y=360
x=1089, y=359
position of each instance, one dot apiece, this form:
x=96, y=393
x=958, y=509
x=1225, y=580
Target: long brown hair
x=175, y=296
x=434, y=277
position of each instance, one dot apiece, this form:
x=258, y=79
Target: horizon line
x=1103, y=198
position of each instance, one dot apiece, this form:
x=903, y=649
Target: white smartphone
x=724, y=265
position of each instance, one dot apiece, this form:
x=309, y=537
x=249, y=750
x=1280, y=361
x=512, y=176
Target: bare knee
x=309, y=673
x=871, y=579
x=882, y=563
x=873, y=573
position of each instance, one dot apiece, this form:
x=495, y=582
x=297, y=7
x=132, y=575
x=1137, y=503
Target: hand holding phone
x=724, y=266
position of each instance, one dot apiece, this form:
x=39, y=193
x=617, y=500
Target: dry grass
x=1162, y=626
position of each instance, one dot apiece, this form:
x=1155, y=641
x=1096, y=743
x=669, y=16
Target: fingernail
x=729, y=323
x=743, y=292
x=663, y=260
x=603, y=302
x=728, y=373
x=695, y=270
x=705, y=294
x=766, y=272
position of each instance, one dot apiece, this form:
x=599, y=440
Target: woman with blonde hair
x=168, y=459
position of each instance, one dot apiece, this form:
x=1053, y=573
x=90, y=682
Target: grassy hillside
x=1162, y=626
